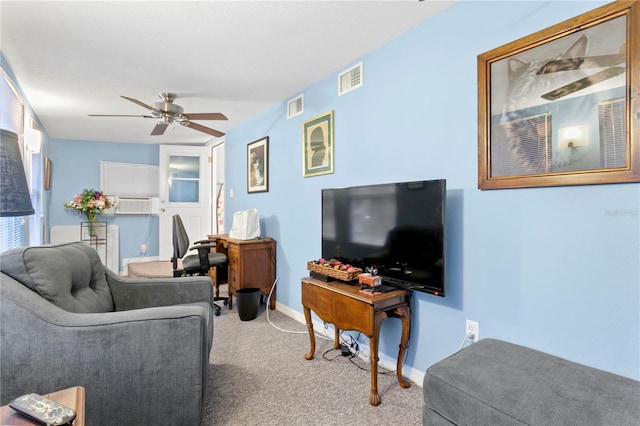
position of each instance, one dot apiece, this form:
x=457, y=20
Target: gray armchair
x=139, y=347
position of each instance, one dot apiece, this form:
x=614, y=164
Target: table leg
x=374, y=396
x=272, y=300
x=312, y=337
x=405, y=314
x=336, y=339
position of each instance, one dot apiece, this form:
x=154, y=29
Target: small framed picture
x=258, y=165
x=47, y=173
x=317, y=145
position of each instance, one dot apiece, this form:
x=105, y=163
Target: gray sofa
x=140, y=348
x=497, y=383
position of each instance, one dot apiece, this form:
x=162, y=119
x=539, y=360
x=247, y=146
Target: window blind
x=12, y=119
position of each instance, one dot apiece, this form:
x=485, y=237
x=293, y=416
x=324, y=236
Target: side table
x=71, y=397
x=344, y=306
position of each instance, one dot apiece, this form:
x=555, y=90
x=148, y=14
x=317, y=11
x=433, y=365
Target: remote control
x=43, y=410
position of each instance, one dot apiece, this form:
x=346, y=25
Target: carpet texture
x=258, y=376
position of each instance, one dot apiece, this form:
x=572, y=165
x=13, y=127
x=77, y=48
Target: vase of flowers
x=90, y=203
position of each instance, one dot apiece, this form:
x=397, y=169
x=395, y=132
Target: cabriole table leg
x=312, y=337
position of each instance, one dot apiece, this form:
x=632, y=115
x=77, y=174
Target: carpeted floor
x=258, y=376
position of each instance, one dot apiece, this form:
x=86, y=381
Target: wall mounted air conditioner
x=137, y=205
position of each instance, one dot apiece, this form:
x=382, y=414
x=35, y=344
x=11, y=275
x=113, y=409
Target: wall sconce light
x=573, y=136
x=33, y=138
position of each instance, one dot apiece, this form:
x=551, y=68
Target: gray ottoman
x=498, y=383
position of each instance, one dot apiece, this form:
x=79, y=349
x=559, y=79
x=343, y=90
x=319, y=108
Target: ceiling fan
x=168, y=113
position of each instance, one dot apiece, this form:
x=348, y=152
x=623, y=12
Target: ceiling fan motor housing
x=167, y=107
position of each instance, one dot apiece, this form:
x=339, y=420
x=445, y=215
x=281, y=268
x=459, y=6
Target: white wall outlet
x=143, y=248
x=473, y=328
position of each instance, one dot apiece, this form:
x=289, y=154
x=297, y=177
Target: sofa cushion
x=71, y=276
x=497, y=383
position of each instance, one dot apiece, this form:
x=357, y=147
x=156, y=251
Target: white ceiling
x=75, y=58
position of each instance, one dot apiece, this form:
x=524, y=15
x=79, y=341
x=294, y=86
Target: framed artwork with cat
x=562, y=106
x=258, y=165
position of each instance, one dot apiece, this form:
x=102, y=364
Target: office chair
x=195, y=264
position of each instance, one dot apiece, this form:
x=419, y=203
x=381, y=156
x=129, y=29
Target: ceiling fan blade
x=571, y=64
x=583, y=83
x=206, y=116
x=203, y=129
x=116, y=115
x=135, y=101
x=159, y=129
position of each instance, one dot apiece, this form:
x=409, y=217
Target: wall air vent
x=294, y=107
x=350, y=79
x=135, y=205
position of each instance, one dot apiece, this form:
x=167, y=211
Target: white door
x=185, y=189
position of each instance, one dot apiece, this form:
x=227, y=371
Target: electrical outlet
x=143, y=249
x=473, y=328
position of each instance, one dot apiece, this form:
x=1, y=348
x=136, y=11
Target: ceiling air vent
x=350, y=80
x=294, y=107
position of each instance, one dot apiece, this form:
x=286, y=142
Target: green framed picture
x=317, y=145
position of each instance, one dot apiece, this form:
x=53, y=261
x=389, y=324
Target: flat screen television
x=395, y=229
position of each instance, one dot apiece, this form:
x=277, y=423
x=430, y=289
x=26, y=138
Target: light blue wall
x=76, y=166
x=555, y=269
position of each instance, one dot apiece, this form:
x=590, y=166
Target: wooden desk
x=252, y=264
x=347, y=309
x=72, y=398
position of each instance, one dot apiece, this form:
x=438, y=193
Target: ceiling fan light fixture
x=166, y=107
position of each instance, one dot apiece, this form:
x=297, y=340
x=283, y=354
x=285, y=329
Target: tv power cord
x=279, y=328
x=468, y=338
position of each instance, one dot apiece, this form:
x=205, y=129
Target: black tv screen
x=395, y=230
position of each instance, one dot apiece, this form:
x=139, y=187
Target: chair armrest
x=213, y=242
x=138, y=293
x=204, y=246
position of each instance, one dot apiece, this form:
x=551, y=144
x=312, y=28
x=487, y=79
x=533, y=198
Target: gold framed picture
x=47, y=173
x=560, y=107
x=317, y=145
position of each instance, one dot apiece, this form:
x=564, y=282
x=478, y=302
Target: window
x=27, y=230
x=184, y=179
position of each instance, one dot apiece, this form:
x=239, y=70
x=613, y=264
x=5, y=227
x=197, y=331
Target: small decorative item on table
x=333, y=268
x=369, y=283
x=370, y=279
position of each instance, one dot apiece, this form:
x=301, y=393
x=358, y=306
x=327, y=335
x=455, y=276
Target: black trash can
x=248, y=302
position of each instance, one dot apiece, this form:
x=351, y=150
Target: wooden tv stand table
x=72, y=398
x=344, y=306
